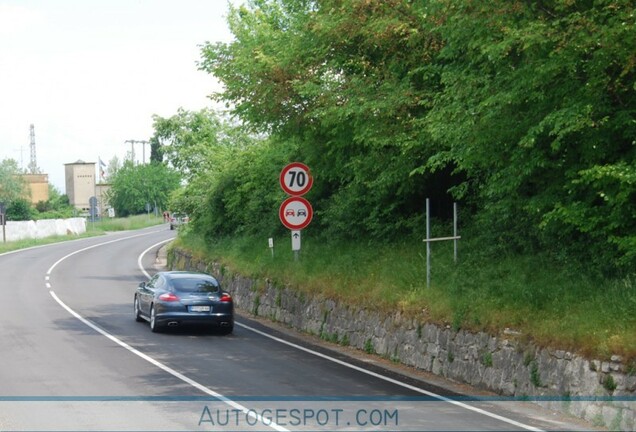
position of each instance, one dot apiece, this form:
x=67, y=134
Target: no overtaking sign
x=295, y=213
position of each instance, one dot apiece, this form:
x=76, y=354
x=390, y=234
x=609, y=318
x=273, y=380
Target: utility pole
x=132, y=149
x=143, y=150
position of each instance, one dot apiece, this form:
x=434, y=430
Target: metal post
x=3, y=221
x=428, y=239
x=428, y=245
x=455, y=231
x=132, y=150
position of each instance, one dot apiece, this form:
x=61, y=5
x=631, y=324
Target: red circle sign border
x=285, y=222
x=284, y=171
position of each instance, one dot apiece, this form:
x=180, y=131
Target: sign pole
x=3, y=221
x=455, y=232
x=295, y=236
x=428, y=246
x=428, y=240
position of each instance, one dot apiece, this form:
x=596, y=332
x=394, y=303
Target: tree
x=135, y=186
x=537, y=108
x=200, y=145
x=113, y=166
x=193, y=141
x=522, y=110
x=12, y=185
x=57, y=206
x=348, y=83
x=19, y=209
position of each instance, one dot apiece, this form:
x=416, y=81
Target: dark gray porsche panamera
x=176, y=298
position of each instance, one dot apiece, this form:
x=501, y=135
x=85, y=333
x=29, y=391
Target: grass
x=549, y=304
x=123, y=224
x=92, y=229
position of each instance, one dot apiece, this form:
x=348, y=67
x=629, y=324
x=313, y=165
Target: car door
x=146, y=294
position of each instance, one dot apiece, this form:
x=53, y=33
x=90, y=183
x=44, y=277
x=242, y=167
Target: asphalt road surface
x=74, y=359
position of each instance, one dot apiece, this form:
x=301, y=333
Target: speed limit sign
x=296, y=179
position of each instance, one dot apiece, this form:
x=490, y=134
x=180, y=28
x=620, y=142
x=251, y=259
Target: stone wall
x=602, y=392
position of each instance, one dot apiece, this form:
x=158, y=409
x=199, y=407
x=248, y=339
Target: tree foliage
x=12, y=185
x=19, y=209
x=344, y=80
x=523, y=111
x=538, y=105
x=133, y=187
x=198, y=144
x=57, y=206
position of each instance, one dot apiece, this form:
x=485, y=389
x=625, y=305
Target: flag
x=102, y=165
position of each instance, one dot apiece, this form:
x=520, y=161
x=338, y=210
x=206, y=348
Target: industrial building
x=80, y=183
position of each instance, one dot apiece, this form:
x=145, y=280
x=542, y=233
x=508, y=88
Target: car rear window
x=195, y=285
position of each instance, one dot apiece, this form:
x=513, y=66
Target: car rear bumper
x=180, y=318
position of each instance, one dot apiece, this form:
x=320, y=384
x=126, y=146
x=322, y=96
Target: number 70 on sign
x=296, y=179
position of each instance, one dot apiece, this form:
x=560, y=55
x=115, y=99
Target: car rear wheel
x=138, y=317
x=227, y=330
x=154, y=326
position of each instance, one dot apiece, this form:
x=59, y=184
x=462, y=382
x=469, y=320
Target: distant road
x=73, y=358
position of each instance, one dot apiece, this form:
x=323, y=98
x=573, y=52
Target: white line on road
x=368, y=372
x=176, y=374
x=394, y=381
x=230, y=402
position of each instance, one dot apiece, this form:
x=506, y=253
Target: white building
x=80, y=183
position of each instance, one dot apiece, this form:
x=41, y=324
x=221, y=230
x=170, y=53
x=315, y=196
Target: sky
x=90, y=74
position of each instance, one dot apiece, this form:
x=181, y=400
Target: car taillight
x=168, y=297
x=225, y=298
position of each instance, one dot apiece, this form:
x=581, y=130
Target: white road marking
x=368, y=372
x=394, y=381
x=146, y=357
x=228, y=401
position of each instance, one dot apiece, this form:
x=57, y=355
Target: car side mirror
x=142, y=285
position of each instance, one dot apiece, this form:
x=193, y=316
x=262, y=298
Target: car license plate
x=200, y=308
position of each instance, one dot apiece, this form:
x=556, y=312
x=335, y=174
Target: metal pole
x=428, y=246
x=132, y=150
x=455, y=231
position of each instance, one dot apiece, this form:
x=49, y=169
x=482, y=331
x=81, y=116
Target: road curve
x=74, y=359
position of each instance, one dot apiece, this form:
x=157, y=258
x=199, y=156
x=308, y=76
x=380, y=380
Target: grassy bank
x=92, y=229
x=123, y=224
x=545, y=302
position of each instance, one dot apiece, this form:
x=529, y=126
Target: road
x=73, y=358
